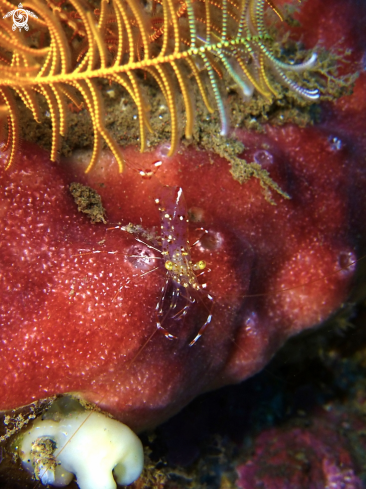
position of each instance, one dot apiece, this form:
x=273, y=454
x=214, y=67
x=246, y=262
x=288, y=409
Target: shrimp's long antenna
x=141, y=349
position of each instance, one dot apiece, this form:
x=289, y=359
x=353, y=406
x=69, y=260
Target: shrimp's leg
x=184, y=310
x=174, y=300
x=159, y=309
x=165, y=332
x=204, y=231
x=207, y=322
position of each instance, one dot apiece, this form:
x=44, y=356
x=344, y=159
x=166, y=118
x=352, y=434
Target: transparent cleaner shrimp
x=181, y=285
x=181, y=278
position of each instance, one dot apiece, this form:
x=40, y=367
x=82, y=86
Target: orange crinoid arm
x=175, y=44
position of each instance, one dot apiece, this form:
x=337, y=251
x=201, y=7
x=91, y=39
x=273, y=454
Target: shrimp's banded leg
x=207, y=322
x=184, y=310
x=165, y=332
x=159, y=311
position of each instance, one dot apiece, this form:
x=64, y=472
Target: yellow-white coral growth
x=89, y=445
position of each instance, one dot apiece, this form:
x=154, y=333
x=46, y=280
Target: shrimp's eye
x=169, y=265
x=200, y=265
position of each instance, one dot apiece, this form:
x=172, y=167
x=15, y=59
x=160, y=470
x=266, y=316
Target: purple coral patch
x=315, y=457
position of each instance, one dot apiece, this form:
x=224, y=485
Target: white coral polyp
x=89, y=445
